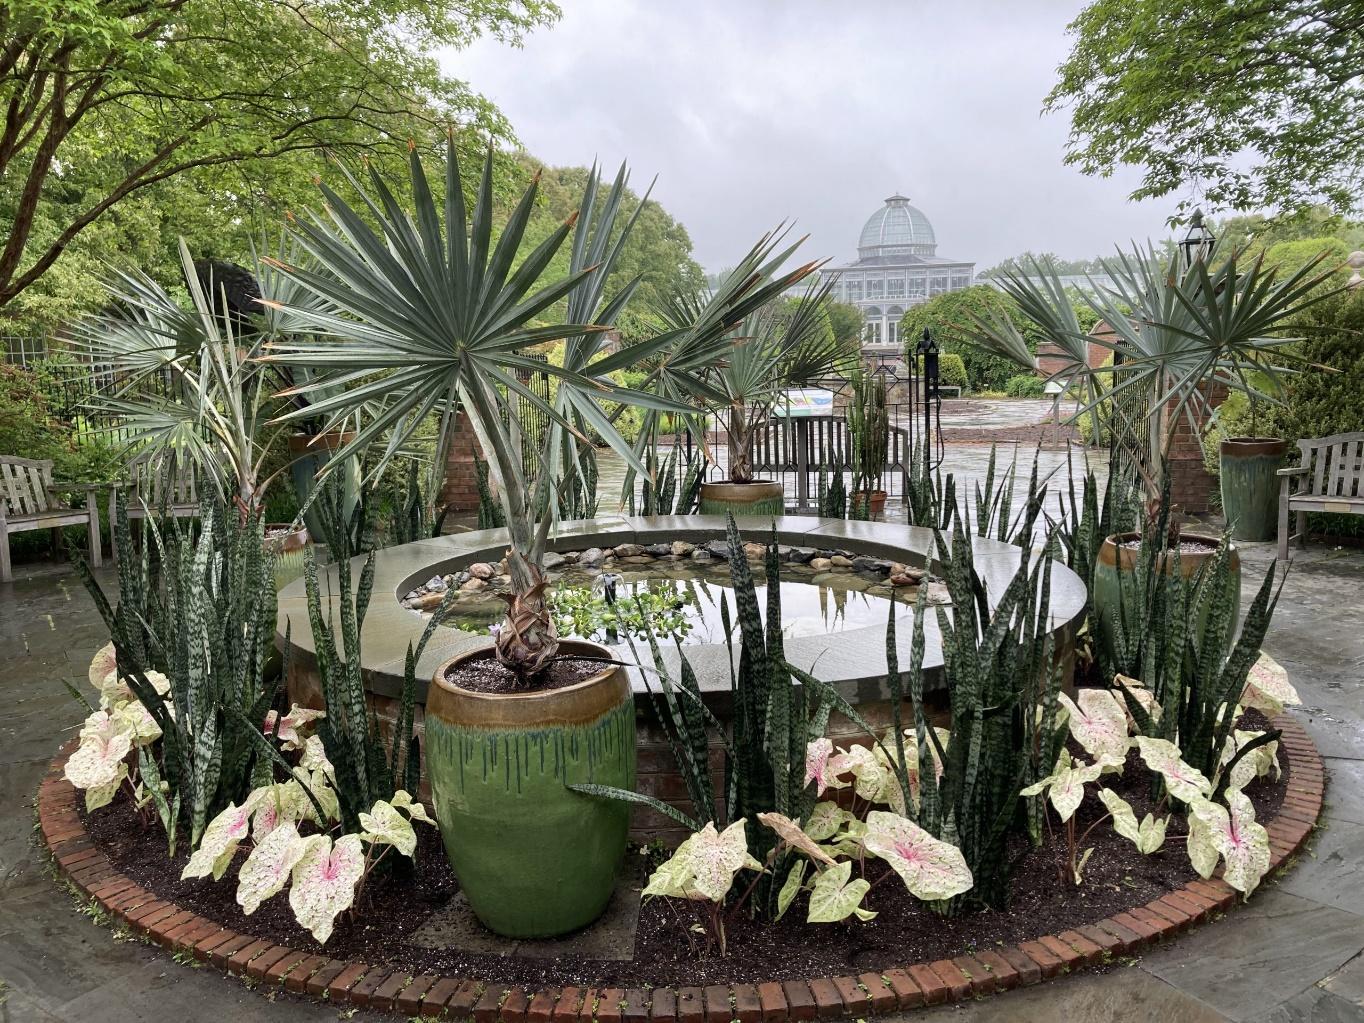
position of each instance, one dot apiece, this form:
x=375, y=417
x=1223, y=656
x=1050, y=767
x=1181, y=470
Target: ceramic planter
x=285, y=537
x=533, y=858
x=1248, y=468
x=877, y=506
x=1116, y=566
x=758, y=497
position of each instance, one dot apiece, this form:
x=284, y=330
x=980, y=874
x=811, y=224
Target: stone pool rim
x=852, y=660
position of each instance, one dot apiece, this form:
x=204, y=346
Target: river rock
x=482, y=570
x=473, y=585
x=637, y=559
x=876, y=565
x=841, y=561
x=627, y=550
x=591, y=557
x=681, y=549
x=701, y=556
x=821, y=564
x=799, y=555
x=427, y=601
x=718, y=548
x=435, y=585
x=938, y=594
x=659, y=550
x=553, y=560
x=754, y=551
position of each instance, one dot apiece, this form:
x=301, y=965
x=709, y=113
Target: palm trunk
x=740, y=461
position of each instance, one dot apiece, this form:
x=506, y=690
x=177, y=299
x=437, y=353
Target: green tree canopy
x=1257, y=102
x=949, y=317
x=845, y=319
x=106, y=100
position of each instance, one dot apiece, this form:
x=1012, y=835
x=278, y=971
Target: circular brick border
x=380, y=987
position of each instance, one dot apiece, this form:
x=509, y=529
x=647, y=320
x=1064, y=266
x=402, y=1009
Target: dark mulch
x=666, y=951
x=487, y=675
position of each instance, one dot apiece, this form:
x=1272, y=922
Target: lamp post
x=928, y=348
x=1198, y=243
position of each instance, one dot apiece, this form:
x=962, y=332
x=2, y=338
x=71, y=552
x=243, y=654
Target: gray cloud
x=759, y=111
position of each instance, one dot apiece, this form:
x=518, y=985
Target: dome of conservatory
x=897, y=229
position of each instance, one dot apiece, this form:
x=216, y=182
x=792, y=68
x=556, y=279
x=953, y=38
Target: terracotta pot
x=1116, y=565
x=1248, y=468
x=288, y=537
x=533, y=858
x=877, y=507
x=757, y=497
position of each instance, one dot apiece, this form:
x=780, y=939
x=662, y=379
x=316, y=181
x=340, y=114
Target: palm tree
x=427, y=310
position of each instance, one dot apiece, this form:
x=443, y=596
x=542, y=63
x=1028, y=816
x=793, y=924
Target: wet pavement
x=1291, y=954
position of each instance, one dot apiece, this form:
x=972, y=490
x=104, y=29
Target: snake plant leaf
x=931, y=869
x=834, y=897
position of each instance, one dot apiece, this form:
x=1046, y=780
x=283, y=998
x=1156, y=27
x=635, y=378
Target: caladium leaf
x=415, y=810
x=134, y=719
x=1233, y=833
x=821, y=766
x=716, y=858
x=1257, y=763
x=292, y=726
x=268, y=868
x=221, y=837
x=1065, y=786
x=384, y=825
x=1267, y=687
x=825, y=820
x=794, y=877
x=1183, y=781
x=834, y=897
x=875, y=779
x=98, y=796
x=315, y=757
x=930, y=868
x=1098, y=723
x=104, y=743
x=1141, y=694
x=1148, y=836
x=103, y=665
x=789, y=831
x=324, y=880
x=673, y=876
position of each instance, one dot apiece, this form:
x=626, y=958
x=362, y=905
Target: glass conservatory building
x=897, y=266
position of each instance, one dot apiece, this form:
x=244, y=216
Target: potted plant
x=421, y=308
x=869, y=437
x=782, y=345
x=1180, y=338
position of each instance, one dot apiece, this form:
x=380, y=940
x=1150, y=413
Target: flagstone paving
x=1293, y=954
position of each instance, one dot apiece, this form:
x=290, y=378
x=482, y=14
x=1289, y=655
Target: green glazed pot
x=533, y=858
x=1248, y=467
x=758, y=497
x=1116, y=565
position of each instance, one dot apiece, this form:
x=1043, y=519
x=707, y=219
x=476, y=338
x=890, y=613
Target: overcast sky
x=755, y=111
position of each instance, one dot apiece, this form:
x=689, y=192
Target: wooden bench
x=162, y=489
x=1330, y=479
x=29, y=500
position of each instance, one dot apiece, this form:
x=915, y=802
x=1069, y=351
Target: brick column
x=459, y=492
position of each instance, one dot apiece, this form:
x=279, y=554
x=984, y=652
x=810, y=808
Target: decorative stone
x=755, y=551
x=427, y=601
x=841, y=561
x=701, y=556
x=659, y=550
x=937, y=593
x=638, y=559
x=680, y=548
x=473, y=585
x=718, y=548
x=482, y=570
x=436, y=585
x=821, y=564
x=552, y=560
x=870, y=565
x=592, y=556
x=628, y=550
x=799, y=555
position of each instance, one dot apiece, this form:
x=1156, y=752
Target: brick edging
x=384, y=988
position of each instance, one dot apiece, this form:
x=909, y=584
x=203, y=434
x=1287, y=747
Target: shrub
x=951, y=371
x=1025, y=385
x=949, y=318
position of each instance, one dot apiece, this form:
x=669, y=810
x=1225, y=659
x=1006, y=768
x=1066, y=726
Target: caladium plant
x=930, y=868
x=1267, y=687
x=1099, y=724
x=1229, y=833
x=1182, y=781
x=1148, y=836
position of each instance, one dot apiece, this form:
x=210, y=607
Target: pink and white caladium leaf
x=789, y=831
x=324, y=880
x=221, y=838
x=1183, y=781
x=99, y=761
x=1232, y=833
x=1267, y=687
x=930, y=868
x=416, y=811
x=137, y=721
x=717, y=857
x=874, y=777
x=825, y=820
x=384, y=825
x=1148, y=836
x=1256, y=764
x=1098, y=723
x=269, y=866
x=292, y=726
x=1065, y=786
x=673, y=877
x=822, y=765
x=314, y=757
x=835, y=897
x=99, y=796
x=102, y=665
x=1137, y=688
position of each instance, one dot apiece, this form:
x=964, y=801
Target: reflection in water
x=836, y=603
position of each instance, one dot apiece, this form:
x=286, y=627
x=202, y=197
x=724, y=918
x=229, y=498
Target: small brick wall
x=459, y=492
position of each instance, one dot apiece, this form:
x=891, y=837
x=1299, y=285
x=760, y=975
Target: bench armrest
x=1296, y=470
